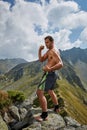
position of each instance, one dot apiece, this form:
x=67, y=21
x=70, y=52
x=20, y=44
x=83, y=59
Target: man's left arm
x=57, y=66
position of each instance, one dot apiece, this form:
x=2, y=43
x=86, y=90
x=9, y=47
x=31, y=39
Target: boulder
x=3, y=125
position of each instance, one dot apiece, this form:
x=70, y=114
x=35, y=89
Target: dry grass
x=73, y=103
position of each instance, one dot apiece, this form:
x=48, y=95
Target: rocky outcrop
x=21, y=117
x=3, y=125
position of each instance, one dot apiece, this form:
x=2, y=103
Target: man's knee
x=50, y=92
x=39, y=93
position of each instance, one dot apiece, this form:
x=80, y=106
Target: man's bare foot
x=38, y=118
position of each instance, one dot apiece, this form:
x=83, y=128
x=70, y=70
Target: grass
x=72, y=96
x=73, y=102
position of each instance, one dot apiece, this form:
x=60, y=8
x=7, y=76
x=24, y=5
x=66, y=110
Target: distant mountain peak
x=75, y=54
x=8, y=64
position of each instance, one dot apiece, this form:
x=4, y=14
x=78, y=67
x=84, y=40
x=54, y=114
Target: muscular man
x=54, y=62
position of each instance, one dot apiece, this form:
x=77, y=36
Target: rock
x=55, y=121
x=84, y=127
x=21, y=117
x=26, y=104
x=6, y=118
x=14, y=112
x=34, y=126
x=3, y=125
x=22, y=112
x=25, y=122
x=67, y=128
x=71, y=122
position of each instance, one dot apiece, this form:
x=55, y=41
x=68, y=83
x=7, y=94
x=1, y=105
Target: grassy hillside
x=77, y=57
x=74, y=101
x=26, y=76
x=73, y=96
x=80, y=68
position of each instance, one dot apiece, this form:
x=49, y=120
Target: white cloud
x=83, y=38
x=67, y=15
x=18, y=37
x=74, y=20
x=60, y=10
x=83, y=35
x=62, y=39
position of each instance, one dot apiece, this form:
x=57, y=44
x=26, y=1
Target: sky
x=25, y=23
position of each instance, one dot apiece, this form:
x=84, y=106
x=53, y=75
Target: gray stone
x=22, y=112
x=3, y=125
x=67, y=128
x=25, y=122
x=14, y=112
x=34, y=126
x=71, y=122
x=84, y=127
x=54, y=121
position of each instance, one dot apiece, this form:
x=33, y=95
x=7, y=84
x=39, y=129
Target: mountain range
x=71, y=83
x=8, y=64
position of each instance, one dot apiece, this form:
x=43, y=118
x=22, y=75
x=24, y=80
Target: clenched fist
x=41, y=47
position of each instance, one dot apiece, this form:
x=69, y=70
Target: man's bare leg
x=54, y=99
x=43, y=104
x=42, y=100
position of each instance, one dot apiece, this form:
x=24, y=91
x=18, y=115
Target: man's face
x=48, y=44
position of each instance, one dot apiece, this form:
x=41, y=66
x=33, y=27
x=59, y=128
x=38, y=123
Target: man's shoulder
x=54, y=51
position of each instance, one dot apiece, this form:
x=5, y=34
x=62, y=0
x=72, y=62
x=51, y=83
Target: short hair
x=50, y=38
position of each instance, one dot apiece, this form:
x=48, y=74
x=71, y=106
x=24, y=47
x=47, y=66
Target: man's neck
x=51, y=47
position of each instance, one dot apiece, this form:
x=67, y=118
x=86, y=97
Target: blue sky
x=81, y=3
x=25, y=23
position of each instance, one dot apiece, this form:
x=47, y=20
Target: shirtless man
x=54, y=62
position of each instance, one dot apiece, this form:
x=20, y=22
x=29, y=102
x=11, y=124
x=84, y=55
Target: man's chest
x=51, y=57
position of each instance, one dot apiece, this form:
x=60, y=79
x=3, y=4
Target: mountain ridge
x=75, y=54
x=26, y=76
x=8, y=64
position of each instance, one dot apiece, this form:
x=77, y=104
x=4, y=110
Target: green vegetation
x=70, y=100
x=9, y=97
x=5, y=103
x=4, y=99
x=73, y=98
x=16, y=96
x=50, y=103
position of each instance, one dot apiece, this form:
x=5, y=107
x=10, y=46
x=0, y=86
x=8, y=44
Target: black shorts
x=48, y=81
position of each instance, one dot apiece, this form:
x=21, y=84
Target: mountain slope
x=8, y=64
x=75, y=54
x=77, y=57
x=74, y=101
x=70, y=87
x=80, y=69
x=73, y=97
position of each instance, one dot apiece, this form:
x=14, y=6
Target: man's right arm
x=44, y=57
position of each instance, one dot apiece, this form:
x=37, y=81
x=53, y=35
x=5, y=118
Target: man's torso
x=52, y=57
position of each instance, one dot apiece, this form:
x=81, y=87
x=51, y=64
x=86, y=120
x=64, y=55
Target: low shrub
x=16, y=96
x=4, y=99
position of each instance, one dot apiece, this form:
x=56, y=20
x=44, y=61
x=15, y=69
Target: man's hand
x=46, y=68
x=41, y=47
